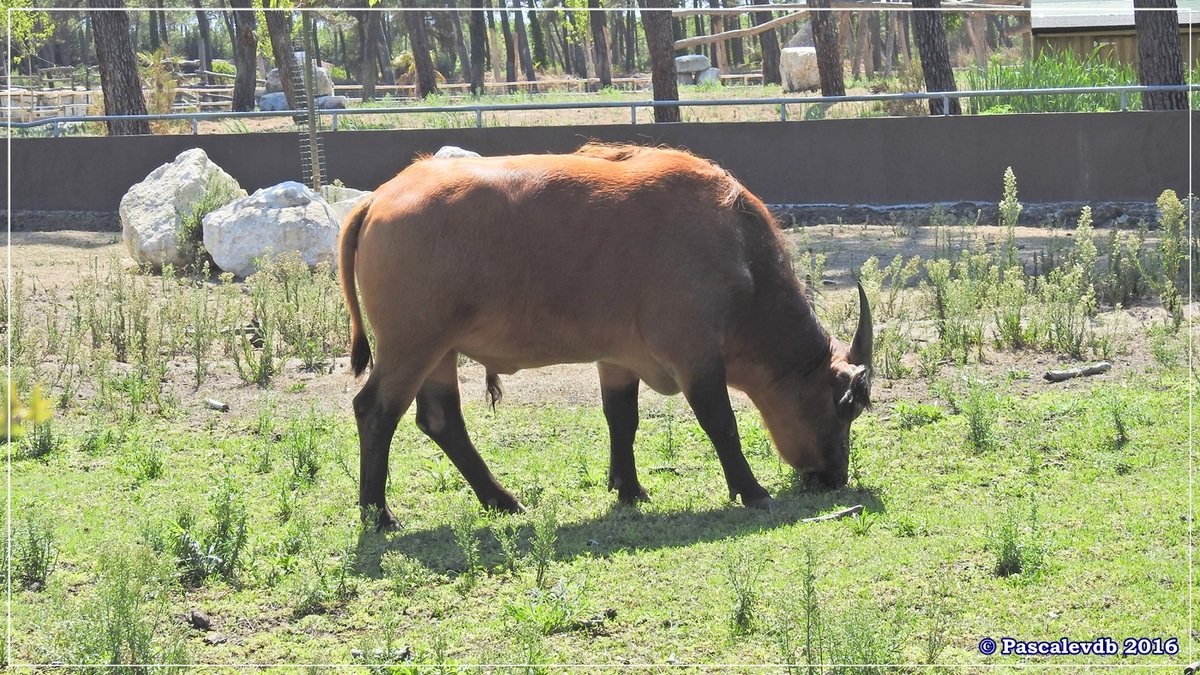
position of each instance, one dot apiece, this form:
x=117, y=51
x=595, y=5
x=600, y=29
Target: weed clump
x=1018, y=545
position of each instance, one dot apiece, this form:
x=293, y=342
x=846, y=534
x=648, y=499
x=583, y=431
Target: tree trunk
x=876, y=26
x=161, y=19
x=578, y=53
x=829, y=54
x=510, y=51
x=383, y=49
x=205, y=41
x=478, y=46
x=523, y=45
x=419, y=39
x=600, y=44
x=660, y=39
x=245, y=48
x=279, y=30
x=368, y=64
x=769, y=43
x=493, y=44
x=737, y=52
x=935, y=54
x=1160, y=57
x=631, y=44
x=976, y=29
x=460, y=43
x=537, y=38
x=155, y=41
x=720, y=56
x=118, y=68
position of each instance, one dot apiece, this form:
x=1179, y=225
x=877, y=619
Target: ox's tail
x=360, y=347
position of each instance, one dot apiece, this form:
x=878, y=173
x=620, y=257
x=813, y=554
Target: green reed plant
x=33, y=547
x=1052, y=68
x=1018, y=544
x=1067, y=302
x=742, y=568
x=126, y=620
x=1010, y=214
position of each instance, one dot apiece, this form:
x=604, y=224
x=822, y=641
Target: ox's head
x=816, y=442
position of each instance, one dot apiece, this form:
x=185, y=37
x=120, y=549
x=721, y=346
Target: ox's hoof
x=631, y=495
x=628, y=493
x=764, y=503
x=385, y=520
x=505, y=502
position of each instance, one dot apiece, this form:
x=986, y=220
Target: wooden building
x=1082, y=26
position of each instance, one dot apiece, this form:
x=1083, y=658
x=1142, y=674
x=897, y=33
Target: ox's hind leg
x=619, y=392
x=377, y=410
x=439, y=415
x=708, y=395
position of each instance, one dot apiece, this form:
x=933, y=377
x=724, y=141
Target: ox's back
x=530, y=260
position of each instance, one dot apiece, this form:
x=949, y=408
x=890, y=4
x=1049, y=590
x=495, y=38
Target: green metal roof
x=1083, y=15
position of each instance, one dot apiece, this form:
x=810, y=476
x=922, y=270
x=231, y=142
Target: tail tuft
x=494, y=391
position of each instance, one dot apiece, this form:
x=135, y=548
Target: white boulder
x=454, y=151
x=152, y=211
x=798, y=69
x=280, y=219
x=323, y=86
x=342, y=199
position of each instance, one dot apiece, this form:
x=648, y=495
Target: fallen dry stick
x=1060, y=375
x=852, y=511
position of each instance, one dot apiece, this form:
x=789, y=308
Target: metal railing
x=479, y=109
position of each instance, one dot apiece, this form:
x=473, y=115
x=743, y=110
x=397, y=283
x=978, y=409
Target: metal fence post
x=1123, y=96
x=782, y=112
x=334, y=121
x=195, y=126
x=633, y=114
x=479, y=118
x=945, y=105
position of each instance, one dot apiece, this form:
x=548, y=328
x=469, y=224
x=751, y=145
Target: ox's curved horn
x=863, y=346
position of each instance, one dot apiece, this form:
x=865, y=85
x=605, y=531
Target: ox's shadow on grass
x=621, y=528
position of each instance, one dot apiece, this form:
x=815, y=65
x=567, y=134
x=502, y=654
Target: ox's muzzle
x=833, y=476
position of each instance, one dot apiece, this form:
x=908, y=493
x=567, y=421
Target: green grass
x=675, y=571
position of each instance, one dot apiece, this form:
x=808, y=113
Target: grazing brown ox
x=654, y=264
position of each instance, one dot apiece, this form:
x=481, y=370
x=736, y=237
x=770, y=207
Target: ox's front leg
x=619, y=393
x=708, y=394
x=439, y=415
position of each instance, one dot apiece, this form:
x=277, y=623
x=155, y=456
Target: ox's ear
x=857, y=396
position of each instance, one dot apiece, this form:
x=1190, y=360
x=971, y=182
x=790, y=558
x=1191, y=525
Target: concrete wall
x=1085, y=157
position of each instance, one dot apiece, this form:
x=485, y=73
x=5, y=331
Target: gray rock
x=683, y=79
x=342, y=199
x=712, y=75
x=280, y=219
x=692, y=63
x=803, y=37
x=151, y=211
x=275, y=100
x=331, y=103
